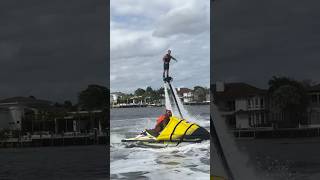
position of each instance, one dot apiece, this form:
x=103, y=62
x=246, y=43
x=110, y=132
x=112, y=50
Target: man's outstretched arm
x=174, y=58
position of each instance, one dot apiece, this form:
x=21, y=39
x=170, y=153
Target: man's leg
x=164, y=70
x=153, y=132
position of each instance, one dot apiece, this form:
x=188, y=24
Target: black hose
x=175, y=100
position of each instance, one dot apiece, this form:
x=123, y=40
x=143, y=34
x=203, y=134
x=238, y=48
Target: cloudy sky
x=254, y=40
x=141, y=31
x=52, y=49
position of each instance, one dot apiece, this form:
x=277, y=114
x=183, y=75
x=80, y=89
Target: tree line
x=155, y=95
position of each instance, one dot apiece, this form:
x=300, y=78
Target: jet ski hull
x=181, y=130
x=176, y=131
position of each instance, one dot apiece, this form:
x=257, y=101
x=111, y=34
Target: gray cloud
x=255, y=40
x=189, y=19
x=52, y=50
x=137, y=51
x=126, y=44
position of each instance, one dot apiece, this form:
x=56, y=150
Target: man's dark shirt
x=167, y=58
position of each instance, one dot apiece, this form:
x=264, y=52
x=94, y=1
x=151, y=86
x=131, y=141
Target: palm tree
x=290, y=99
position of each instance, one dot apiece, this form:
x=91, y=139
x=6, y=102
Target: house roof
x=117, y=93
x=314, y=88
x=238, y=90
x=183, y=90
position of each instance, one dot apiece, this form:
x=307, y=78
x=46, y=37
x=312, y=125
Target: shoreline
x=151, y=106
x=50, y=141
x=290, y=133
x=297, y=140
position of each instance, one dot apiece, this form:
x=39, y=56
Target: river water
x=265, y=159
x=70, y=163
x=186, y=161
x=287, y=159
x=279, y=159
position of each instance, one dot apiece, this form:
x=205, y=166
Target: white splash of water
x=166, y=163
x=167, y=97
x=184, y=161
x=186, y=115
x=183, y=111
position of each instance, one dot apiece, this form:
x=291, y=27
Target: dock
x=55, y=140
x=277, y=133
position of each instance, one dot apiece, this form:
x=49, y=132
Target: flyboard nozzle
x=167, y=79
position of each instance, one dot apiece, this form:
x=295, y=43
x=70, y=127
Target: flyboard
x=177, y=131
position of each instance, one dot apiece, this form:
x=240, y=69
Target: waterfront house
x=112, y=101
x=13, y=111
x=243, y=106
x=80, y=122
x=31, y=115
x=114, y=97
x=185, y=94
x=208, y=97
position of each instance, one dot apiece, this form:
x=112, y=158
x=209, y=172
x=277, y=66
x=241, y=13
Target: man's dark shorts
x=165, y=66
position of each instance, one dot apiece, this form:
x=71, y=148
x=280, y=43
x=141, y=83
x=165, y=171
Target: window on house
x=262, y=118
x=252, y=119
x=232, y=105
x=249, y=104
x=314, y=98
x=257, y=102
x=261, y=102
x=258, y=118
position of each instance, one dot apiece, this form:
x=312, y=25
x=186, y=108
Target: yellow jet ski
x=176, y=131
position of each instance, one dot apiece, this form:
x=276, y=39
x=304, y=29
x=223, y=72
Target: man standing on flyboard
x=166, y=62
